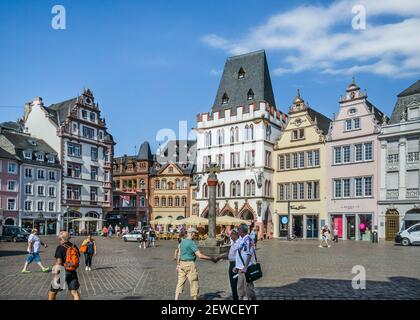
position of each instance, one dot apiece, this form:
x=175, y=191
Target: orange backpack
x=72, y=258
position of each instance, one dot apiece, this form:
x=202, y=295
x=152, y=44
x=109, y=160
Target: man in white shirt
x=34, y=243
x=245, y=257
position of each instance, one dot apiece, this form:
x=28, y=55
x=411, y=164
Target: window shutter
x=393, y=147
x=392, y=180
x=413, y=179
x=413, y=145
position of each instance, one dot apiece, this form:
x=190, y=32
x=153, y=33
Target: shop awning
x=87, y=219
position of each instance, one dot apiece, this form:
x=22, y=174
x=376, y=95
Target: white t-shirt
x=245, y=248
x=233, y=249
x=36, y=243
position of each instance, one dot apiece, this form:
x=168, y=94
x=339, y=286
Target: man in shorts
x=71, y=278
x=34, y=243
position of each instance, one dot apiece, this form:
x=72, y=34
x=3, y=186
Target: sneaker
x=46, y=269
x=90, y=269
x=25, y=271
x=329, y=246
x=87, y=269
x=320, y=246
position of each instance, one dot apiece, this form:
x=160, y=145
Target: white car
x=134, y=235
x=409, y=236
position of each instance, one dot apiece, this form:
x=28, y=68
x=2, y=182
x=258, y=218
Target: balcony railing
x=413, y=157
x=412, y=193
x=392, y=194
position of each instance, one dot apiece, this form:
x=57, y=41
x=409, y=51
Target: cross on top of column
x=212, y=169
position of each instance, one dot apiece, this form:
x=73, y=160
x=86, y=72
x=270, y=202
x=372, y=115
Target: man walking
x=67, y=261
x=34, y=243
x=245, y=257
x=186, y=268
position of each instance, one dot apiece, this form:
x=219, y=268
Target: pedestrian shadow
x=104, y=268
x=132, y=298
x=211, y=295
x=10, y=253
x=332, y=289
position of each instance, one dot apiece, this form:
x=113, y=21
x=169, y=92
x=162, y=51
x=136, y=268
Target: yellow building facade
x=300, y=177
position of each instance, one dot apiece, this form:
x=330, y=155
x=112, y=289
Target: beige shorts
x=188, y=270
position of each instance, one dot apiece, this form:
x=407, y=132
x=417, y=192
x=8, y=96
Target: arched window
x=225, y=98
x=246, y=132
x=233, y=189
x=250, y=94
x=220, y=136
x=269, y=189
x=163, y=201
x=251, y=132
x=247, y=188
x=176, y=201
x=183, y=201
x=222, y=189
x=157, y=184
x=184, y=183
x=238, y=189
x=142, y=184
x=164, y=184
x=170, y=185
x=208, y=139
x=156, y=201
x=252, y=187
x=142, y=202
x=232, y=134
x=170, y=202
x=241, y=73
x=218, y=190
x=92, y=215
x=205, y=191
x=178, y=184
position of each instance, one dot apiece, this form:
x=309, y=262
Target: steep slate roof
x=323, y=122
x=6, y=155
x=15, y=143
x=257, y=78
x=406, y=97
x=379, y=115
x=60, y=111
x=144, y=152
x=177, y=148
x=10, y=125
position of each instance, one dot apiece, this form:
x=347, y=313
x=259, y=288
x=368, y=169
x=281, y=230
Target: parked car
x=409, y=236
x=134, y=235
x=14, y=234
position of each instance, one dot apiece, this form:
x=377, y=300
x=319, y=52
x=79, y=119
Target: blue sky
x=153, y=63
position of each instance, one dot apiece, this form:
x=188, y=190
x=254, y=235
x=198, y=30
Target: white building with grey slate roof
x=399, y=190
x=75, y=130
x=239, y=135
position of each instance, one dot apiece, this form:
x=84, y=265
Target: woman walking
x=325, y=236
x=88, y=247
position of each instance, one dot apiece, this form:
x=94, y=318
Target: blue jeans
x=33, y=256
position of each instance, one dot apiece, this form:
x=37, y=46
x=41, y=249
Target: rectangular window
x=356, y=123
x=28, y=172
x=84, y=114
x=368, y=186
x=358, y=152
x=301, y=191
x=40, y=157
x=368, y=151
x=295, y=160
x=413, y=113
x=93, y=194
x=41, y=174
x=346, y=154
x=281, y=191
x=11, y=185
x=12, y=167
x=348, y=125
x=287, y=191
x=316, y=156
x=337, y=155
x=51, y=191
x=77, y=150
x=358, y=187
x=40, y=205
x=287, y=162
x=309, y=190
x=92, y=117
x=316, y=190
x=94, y=154
x=27, y=155
x=51, y=175
x=250, y=158
x=28, y=205
x=281, y=162
x=28, y=189
x=11, y=204
x=295, y=191
x=88, y=133
x=41, y=191
x=301, y=159
x=310, y=158
x=51, y=206
x=337, y=188
x=94, y=173
x=346, y=188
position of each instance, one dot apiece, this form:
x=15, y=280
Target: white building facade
x=76, y=131
x=239, y=136
x=399, y=190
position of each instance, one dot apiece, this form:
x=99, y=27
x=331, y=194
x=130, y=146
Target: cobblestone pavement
x=292, y=270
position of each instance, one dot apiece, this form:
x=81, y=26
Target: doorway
x=283, y=226
x=337, y=221
x=351, y=227
x=392, y=224
x=311, y=226
x=298, y=226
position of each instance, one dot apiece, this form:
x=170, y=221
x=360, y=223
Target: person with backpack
x=66, y=261
x=88, y=247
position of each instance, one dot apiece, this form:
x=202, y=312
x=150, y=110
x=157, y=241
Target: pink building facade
x=9, y=188
x=353, y=155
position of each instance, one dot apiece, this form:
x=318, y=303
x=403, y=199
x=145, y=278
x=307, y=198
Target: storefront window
x=365, y=227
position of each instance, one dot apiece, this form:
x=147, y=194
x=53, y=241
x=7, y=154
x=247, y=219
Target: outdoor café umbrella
x=163, y=221
x=193, y=221
x=229, y=221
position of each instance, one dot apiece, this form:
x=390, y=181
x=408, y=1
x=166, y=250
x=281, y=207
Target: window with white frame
x=346, y=154
x=337, y=155
x=301, y=159
x=28, y=172
x=337, y=188
x=11, y=204
x=40, y=157
x=41, y=191
x=40, y=205
x=28, y=189
x=11, y=185
x=295, y=160
x=28, y=205
x=281, y=162
x=368, y=151
x=316, y=157
x=94, y=154
x=51, y=159
x=27, y=155
x=51, y=175
x=51, y=206
x=368, y=186
x=413, y=113
x=309, y=157
x=358, y=187
x=358, y=152
x=41, y=174
x=12, y=168
x=346, y=188
x=250, y=158
x=352, y=124
x=51, y=191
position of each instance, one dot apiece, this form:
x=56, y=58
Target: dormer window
x=40, y=157
x=413, y=113
x=27, y=155
x=250, y=94
x=92, y=117
x=51, y=159
x=225, y=98
x=241, y=73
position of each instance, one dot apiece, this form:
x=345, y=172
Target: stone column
x=212, y=184
x=276, y=225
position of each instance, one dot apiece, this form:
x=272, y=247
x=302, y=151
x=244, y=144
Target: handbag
x=253, y=272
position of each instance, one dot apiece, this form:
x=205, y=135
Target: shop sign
x=284, y=220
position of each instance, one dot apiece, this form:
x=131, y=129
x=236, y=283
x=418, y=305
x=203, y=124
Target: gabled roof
x=256, y=77
x=144, y=152
x=60, y=111
x=10, y=125
x=6, y=155
x=413, y=89
x=379, y=115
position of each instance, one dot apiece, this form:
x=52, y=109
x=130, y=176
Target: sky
x=151, y=64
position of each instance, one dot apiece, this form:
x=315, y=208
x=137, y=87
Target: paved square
x=292, y=270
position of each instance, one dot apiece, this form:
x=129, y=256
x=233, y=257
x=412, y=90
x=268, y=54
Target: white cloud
x=322, y=38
